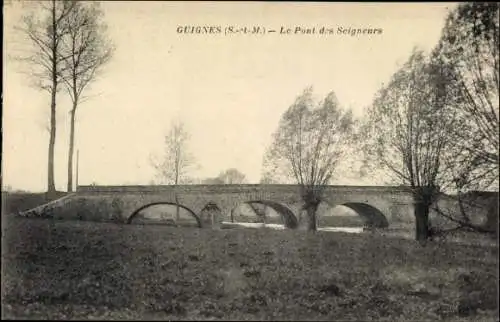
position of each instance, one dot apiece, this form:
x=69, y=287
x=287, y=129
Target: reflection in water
x=355, y=230
x=275, y=226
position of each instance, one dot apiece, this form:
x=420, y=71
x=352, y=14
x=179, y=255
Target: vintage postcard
x=179, y=160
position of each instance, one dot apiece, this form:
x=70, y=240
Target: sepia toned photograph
x=253, y=160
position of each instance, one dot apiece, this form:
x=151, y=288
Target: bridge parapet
x=239, y=188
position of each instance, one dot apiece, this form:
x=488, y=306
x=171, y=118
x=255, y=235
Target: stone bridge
x=380, y=206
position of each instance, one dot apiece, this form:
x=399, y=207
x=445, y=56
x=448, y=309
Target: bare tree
x=308, y=145
x=177, y=160
x=406, y=134
x=45, y=28
x=85, y=50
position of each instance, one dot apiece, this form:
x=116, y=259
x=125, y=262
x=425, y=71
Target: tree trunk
x=491, y=223
x=421, y=212
x=177, y=210
x=51, y=187
x=77, y=167
x=71, y=148
x=311, y=216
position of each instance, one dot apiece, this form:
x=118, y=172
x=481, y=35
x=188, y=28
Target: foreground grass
x=14, y=202
x=84, y=270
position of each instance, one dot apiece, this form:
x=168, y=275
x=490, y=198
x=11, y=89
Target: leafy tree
x=406, y=133
x=85, y=50
x=469, y=51
x=308, y=145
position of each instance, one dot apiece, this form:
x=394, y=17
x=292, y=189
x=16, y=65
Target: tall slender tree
x=86, y=50
x=45, y=27
x=469, y=51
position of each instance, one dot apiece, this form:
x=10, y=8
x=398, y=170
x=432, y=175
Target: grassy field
x=85, y=270
x=14, y=202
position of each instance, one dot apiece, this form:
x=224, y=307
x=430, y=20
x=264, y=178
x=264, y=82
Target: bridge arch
x=211, y=206
x=289, y=218
x=138, y=210
x=372, y=216
x=350, y=214
x=211, y=213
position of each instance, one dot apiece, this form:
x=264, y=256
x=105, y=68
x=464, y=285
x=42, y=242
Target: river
x=355, y=230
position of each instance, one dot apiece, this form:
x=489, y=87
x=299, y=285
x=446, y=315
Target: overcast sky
x=230, y=90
